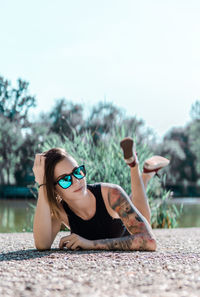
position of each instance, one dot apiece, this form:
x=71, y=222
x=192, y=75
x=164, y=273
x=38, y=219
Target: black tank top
x=101, y=225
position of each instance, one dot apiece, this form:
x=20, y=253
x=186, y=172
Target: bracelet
x=41, y=185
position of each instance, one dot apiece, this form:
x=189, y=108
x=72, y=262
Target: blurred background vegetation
x=93, y=138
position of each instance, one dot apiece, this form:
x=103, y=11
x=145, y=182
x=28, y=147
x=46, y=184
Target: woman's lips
x=78, y=189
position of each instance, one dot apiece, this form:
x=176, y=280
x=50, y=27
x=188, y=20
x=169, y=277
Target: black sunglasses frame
x=70, y=174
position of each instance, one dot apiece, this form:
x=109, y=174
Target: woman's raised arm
x=45, y=227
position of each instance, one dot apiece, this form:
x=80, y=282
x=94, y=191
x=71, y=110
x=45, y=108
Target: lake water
x=17, y=215
x=190, y=216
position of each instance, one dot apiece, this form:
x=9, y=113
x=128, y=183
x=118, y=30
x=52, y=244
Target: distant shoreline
x=30, y=191
x=15, y=192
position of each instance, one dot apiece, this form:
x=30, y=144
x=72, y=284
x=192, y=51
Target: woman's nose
x=76, y=180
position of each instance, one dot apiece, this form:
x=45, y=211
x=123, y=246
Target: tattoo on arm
x=127, y=243
x=140, y=237
x=132, y=219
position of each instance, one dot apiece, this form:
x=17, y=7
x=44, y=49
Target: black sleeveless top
x=101, y=225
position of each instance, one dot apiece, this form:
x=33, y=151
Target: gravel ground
x=173, y=270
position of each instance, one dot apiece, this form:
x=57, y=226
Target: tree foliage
x=195, y=111
x=94, y=138
x=10, y=141
x=182, y=147
x=176, y=146
x=14, y=106
x=15, y=102
x=20, y=139
x=193, y=131
x=66, y=117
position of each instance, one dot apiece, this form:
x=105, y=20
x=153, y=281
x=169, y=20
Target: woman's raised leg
x=139, y=182
x=139, y=197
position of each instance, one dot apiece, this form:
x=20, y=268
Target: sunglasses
x=65, y=181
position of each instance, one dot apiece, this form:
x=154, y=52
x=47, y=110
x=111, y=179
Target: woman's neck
x=83, y=206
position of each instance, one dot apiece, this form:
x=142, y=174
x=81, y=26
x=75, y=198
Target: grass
x=104, y=163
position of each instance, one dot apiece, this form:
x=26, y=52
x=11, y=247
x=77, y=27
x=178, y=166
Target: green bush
x=104, y=163
x=164, y=214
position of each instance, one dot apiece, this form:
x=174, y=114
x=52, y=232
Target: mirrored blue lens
x=80, y=172
x=65, y=182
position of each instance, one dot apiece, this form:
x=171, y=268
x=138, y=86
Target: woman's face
x=78, y=187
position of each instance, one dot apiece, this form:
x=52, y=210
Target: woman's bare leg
x=146, y=178
x=139, y=197
x=153, y=164
x=138, y=189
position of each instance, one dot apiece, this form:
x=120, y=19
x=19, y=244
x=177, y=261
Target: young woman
x=99, y=216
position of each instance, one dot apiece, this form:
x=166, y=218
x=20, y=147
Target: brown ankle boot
x=130, y=156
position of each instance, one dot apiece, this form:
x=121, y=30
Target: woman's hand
x=39, y=168
x=75, y=242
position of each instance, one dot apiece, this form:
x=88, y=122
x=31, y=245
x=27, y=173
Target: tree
x=14, y=106
x=66, y=117
x=193, y=131
x=102, y=119
x=195, y=111
x=15, y=102
x=10, y=141
x=181, y=174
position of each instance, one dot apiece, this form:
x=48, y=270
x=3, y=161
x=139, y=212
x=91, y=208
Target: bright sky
x=143, y=56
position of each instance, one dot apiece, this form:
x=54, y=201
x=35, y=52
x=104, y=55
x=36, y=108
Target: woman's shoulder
x=107, y=186
x=104, y=185
x=101, y=186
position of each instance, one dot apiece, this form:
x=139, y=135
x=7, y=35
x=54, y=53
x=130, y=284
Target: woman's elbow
x=145, y=242
x=41, y=247
x=151, y=244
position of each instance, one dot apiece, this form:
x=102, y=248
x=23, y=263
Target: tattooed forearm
x=141, y=237
x=131, y=217
x=128, y=243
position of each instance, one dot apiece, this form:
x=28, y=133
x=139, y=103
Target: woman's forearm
x=42, y=226
x=136, y=242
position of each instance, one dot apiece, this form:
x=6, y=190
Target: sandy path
x=173, y=270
